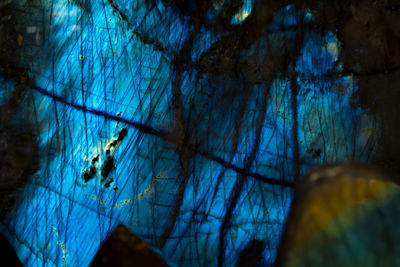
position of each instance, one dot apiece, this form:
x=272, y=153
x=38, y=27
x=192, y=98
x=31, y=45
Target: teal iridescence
x=98, y=70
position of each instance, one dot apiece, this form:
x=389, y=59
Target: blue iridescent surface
x=101, y=68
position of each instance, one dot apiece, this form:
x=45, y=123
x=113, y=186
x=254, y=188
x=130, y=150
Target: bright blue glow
x=243, y=13
x=100, y=61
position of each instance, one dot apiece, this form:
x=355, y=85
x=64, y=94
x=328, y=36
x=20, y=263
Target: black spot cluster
x=108, y=165
x=107, y=168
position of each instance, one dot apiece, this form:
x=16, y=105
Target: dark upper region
x=9, y=48
x=108, y=166
x=89, y=174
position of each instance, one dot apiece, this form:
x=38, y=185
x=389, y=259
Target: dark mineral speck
x=89, y=174
x=107, y=185
x=108, y=166
x=95, y=159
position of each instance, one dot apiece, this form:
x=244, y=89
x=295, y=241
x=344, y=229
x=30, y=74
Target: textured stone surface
x=186, y=121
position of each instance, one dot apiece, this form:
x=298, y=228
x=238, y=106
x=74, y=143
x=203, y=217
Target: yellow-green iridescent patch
x=339, y=217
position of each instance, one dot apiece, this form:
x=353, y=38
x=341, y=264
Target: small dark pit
x=89, y=174
x=107, y=185
x=317, y=153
